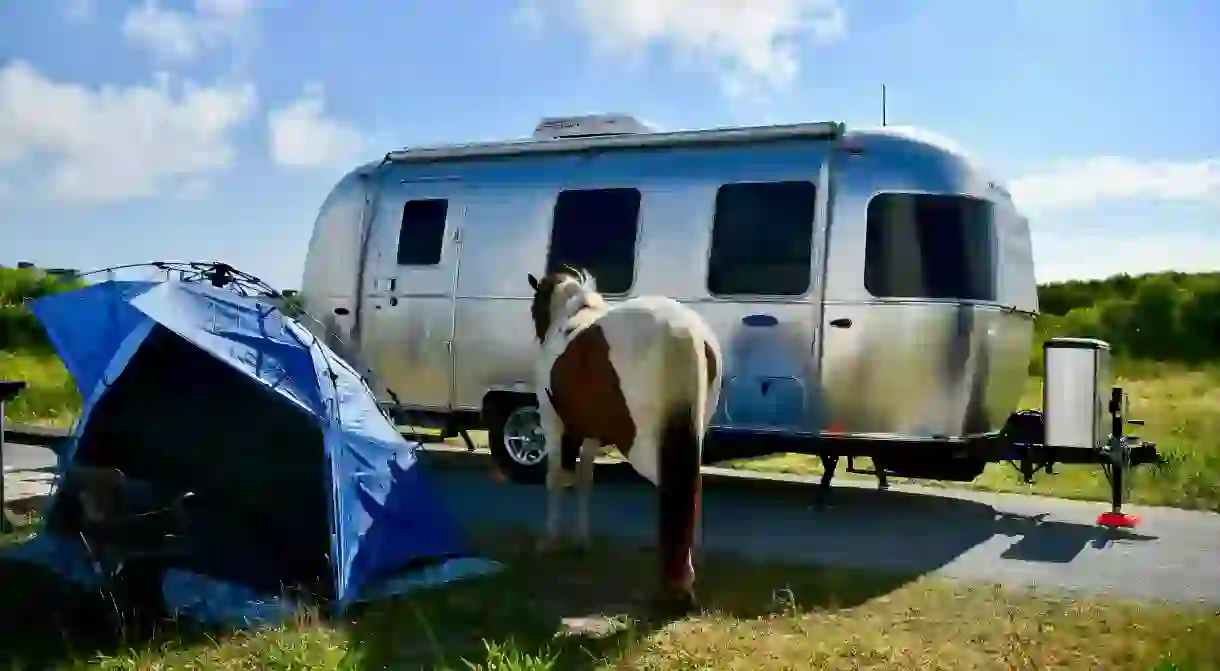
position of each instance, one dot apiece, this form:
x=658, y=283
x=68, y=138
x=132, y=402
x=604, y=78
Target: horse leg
x=679, y=485
x=584, y=491
x=830, y=462
x=556, y=479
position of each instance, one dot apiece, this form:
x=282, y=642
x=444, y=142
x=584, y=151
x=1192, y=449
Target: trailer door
x=409, y=289
x=764, y=280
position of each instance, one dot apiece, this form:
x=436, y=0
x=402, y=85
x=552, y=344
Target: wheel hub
x=523, y=438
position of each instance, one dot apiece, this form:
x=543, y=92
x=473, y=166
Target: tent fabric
x=88, y=325
x=306, y=481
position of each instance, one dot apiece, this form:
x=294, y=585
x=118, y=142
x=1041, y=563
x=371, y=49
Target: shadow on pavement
x=891, y=530
x=1058, y=542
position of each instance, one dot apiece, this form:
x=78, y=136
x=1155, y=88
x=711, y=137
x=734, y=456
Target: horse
x=643, y=375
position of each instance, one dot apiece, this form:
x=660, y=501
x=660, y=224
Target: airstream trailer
x=873, y=290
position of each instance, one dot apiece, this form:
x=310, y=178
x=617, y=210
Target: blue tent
x=303, y=481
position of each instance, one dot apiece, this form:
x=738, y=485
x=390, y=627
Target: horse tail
x=680, y=456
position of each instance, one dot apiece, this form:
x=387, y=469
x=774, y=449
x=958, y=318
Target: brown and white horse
x=642, y=375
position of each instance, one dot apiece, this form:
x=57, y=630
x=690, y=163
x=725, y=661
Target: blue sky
x=134, y=130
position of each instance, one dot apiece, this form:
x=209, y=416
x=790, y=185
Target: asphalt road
x=1015, y=540
x=23, y=458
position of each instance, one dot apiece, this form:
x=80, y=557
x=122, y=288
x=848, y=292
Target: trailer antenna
x=883, y=118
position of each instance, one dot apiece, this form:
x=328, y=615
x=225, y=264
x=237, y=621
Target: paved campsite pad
x=590, y=613
x=1016, y=540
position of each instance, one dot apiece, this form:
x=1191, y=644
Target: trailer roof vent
x=589, y=125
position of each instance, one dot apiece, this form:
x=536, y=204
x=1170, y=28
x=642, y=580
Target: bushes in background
x=1172, y=317
x=19, y=330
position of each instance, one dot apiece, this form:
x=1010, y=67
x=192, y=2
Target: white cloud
x=1082, y=183
x=193, y=189
x=529, y=16
x=1064, y=255
x=108, y=143
x=749, y=43
x=302, y=135
x=79, y=11
x=177, y=36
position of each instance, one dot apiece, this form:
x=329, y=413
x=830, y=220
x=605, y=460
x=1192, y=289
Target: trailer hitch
x=1030, y=455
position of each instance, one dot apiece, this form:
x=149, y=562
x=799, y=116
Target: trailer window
x=422, y=234
x=929, y=246
x=595, y=229
x=762, y=238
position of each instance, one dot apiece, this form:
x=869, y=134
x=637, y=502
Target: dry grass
x=564, y=612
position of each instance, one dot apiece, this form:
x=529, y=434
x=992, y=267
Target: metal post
x=1119, y=456
x=8, y=390
x=5, y=525
x=883, y=115
x=1118, y=431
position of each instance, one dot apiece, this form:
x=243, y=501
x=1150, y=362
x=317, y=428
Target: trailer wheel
x=515, y=438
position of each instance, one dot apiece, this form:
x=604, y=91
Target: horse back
x=648, y=326
x=610, y=379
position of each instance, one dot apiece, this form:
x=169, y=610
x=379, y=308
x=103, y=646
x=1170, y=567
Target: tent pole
x=6, y=525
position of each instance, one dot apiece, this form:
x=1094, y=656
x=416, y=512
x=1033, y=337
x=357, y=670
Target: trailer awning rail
x=819, y=130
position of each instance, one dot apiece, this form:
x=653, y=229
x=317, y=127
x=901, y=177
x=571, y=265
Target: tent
x=300, y=480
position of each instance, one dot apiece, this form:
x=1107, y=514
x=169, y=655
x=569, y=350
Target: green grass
x=1181, y=408
x=50, y=398
x=560, y=611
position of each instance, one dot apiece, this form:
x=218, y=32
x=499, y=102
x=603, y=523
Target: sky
x=141, y=130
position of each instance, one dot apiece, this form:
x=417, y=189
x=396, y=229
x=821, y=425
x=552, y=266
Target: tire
x=504, y=415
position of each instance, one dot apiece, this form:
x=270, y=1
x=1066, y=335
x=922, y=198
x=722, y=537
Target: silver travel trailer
x=873, y=290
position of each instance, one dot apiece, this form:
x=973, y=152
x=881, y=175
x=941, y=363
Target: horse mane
x=580, y=302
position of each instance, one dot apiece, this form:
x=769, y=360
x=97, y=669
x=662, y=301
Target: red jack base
x=1121, y=520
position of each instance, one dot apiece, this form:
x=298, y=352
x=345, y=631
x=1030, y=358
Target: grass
x=1181, y=408
x=50, y=398
x=564, y=612
x=560, y=612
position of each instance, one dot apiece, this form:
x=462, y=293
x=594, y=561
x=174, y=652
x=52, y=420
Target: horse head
x=554, y=292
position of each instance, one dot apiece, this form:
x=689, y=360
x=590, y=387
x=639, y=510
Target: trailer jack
x=1117, y=457
x=1120, y=454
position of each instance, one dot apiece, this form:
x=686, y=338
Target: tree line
x=1168, y=316
x=20, y=330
